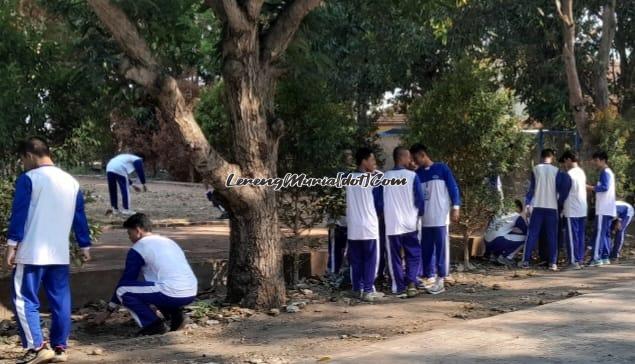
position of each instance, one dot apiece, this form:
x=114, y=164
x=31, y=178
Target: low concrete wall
x=91, y=286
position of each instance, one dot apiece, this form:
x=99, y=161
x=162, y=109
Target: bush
x=467, y=121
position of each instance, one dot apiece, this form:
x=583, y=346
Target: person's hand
x=589, y=188
x=618, y=225
x=10, y=256
x=145, y=189
x=136, y=188
x=101, y=318
x=85, y=255
x=456, y=215
x=528, y=211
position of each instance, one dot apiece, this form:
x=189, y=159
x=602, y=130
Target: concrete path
x=593, y=328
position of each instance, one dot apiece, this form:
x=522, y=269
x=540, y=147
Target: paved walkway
x=593, y=328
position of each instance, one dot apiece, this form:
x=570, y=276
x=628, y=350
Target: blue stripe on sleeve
x=453, y=187
x=603, y=183
x=420, y=200
x=138, y=167
x=378, y=199
x=134, y=263
x=563, y=187
x=80, y=223
x=20, y=208
x=532, y=187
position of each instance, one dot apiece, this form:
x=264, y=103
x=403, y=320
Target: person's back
x=50, y=218
x=624, y=210
x=605, y=194
x=166, y=265
x=545, y=193
x=361, y=213
x=123, y=164
x=400, y=209
x=576, y=203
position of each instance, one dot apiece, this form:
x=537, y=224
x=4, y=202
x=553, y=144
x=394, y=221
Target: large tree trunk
x=576, y=97
x=249, y=58
x=601, y=93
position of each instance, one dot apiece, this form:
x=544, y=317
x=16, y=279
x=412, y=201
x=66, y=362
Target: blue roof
x=392, y=132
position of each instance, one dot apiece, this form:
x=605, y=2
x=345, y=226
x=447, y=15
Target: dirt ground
x=328, y=322
x=165, y=202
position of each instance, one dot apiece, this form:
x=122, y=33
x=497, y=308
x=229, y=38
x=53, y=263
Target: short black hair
x=568, y=155
x=519, y=204
x=547, y=153
x=417, y=148
x=141, y=155
x=362, y=154
x=34, y=145
x=138, y=220
x=397, y=152
x=601, y=155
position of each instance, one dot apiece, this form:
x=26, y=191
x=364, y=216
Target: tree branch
x=230, y=12
x=124, y=32
x=565, y=17
x=164, y=88
x=284, y=28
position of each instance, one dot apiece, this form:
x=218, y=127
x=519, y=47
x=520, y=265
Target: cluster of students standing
x=383, y=221
x=403, y=229
x=556, y=215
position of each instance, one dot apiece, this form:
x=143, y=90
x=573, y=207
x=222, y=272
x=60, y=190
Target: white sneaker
x=439, y=287
x=127, y=212
x=553, y=267
x=372, y=296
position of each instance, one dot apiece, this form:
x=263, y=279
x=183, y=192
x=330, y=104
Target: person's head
x=141, y=155
x=138, y=226
x=34, y=152
x=547, y=155
x=401, y=157
x=420, y=155
x=600, y=159
x=568, y=159
x=365, y=159
x=519, y=206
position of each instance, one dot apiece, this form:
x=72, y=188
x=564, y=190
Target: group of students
x=556, y=214
x=47, y=205
x=384, y=221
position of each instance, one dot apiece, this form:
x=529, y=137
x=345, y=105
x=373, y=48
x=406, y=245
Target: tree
x=601, y=94
x=255, y=36
x=466, y=121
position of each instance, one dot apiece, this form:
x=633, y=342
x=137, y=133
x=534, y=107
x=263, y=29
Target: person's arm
x=420, y=200
x=138, y=167
x=453, y=189
x=532, y=188
x=603, y=183
x=378, y=199
x=563, y=188
x=520, y=226
x=19, y=214
x=455, y=194
x=19, y=210
x=80, y=227
x=134, y=263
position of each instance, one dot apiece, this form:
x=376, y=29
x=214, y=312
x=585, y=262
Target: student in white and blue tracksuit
x=46, y=206
x=362, y=206
x=625, y=214
x=575, y=210
x=167, y=280
x=548, y=190
x=403, y=204
x=605, y=210
x=505, y=236
x=117, y=171
x=441, y=195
